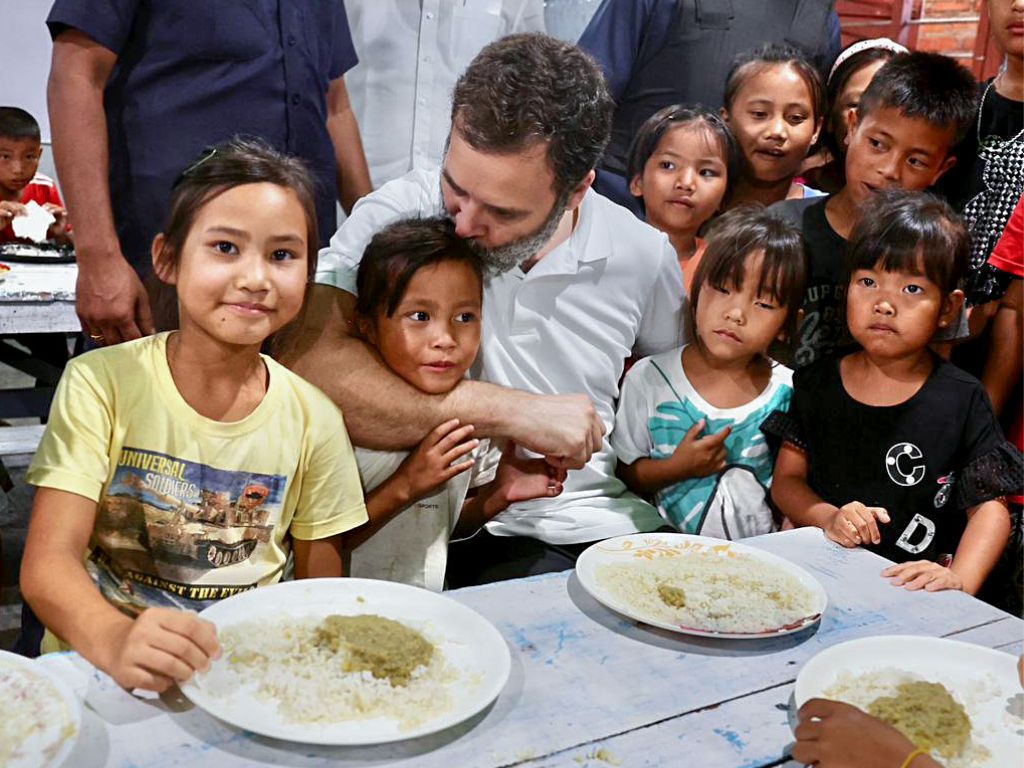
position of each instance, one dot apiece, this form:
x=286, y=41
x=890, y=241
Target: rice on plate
x=960, y=701
x=349, y=662
x=699, y=585
x=312, y=682
x=39, y=715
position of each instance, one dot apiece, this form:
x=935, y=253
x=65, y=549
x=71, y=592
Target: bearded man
x=577, y=285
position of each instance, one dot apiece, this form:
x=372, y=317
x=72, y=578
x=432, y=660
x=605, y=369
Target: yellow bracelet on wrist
x=913, y=756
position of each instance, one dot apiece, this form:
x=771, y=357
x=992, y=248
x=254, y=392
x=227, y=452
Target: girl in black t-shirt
x=891, y=447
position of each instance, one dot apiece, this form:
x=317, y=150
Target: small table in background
x=34, y=298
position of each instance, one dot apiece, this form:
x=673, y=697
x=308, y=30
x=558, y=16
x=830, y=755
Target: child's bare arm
x=318, y=558
x=850, y=525
x=696, y=456
x=152, y=651
x=984, y=539
x=1006, y=347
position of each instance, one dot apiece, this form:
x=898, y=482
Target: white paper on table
x=33, y=224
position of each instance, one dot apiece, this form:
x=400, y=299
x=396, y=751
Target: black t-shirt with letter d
x=926, y=460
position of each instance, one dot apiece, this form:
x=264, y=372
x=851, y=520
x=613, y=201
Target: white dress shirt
x=410, y=55
x=566, y=326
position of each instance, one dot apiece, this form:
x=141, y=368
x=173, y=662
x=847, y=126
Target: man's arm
x=353, y=173
x=383, y=412
x=111, y=300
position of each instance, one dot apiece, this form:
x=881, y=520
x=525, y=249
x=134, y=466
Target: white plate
x=644, y=546
x=985, y=681
x=60, y=715
x=469, y=643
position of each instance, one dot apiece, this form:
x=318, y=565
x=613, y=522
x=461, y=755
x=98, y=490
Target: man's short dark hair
x=531, y=88
x=16, y=123
x=903, y=231
x=928, y=86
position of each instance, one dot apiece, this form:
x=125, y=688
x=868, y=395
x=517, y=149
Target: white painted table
x=39, y=298
x=588, y=688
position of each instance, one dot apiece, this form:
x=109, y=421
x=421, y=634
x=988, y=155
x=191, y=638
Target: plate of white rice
x=40, y=716
x=276, y=676
x=702, y=586
x=979, y=682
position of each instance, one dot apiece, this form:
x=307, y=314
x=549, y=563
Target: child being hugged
x=891, y=447
x=687, y=430
x=774, y=104
x=181, y=468
x=681, y=165
x=420, y=291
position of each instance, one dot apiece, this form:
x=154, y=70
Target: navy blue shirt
x=191, y=73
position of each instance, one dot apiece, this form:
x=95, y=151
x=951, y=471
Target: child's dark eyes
x=465, y=317
x=758, y=114
x=225, y=247
x=797, y=119
x=666, y=165
x=875, y=143
x=710, y=173
x=282, y=255
x=721, y=289
x=914, y=290
x=867, y=282
x=765, y=304
x=419, y=316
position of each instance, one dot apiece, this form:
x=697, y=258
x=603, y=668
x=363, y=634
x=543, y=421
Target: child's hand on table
x=923, y=574
x=836, y=735
x=433, y=463
x=159, y=648
x=697, y=456
x=854, y=524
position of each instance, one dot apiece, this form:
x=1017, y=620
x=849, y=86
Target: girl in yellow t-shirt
x=185, y=466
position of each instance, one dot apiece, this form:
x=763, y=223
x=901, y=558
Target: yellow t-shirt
x=192, y=510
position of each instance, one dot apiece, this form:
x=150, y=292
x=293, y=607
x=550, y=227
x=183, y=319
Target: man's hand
x=565, y=429
x=697, y=456
x=854, y=524
x=8, y=210
x=433, y=463
x=59, y=228
x=835, y=735
x=110, y=299
x=161, y=647
x=923, y=574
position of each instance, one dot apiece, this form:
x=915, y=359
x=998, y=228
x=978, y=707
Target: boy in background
x=20, y=181
x=901, y=136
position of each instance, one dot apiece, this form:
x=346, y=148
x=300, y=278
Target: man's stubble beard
x=502, y=258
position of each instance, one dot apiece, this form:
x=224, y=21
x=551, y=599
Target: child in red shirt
x=20, y=150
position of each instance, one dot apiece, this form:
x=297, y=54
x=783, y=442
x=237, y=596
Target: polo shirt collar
x=590, y=241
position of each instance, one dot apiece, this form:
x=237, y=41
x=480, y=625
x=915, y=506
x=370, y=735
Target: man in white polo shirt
x=578, y=285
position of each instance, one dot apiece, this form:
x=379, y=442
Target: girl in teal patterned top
x=687, y=431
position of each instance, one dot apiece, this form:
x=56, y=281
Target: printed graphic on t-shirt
x=824, y=325
x=169, y=531
x=731, y=504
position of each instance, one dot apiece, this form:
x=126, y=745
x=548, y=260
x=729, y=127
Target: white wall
x=25, y=51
